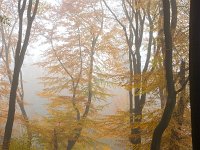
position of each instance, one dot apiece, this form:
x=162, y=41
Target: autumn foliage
x=106, y=74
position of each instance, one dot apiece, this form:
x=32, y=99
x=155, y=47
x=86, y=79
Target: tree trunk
x=19, y=58
x=77, y=131
x=178, y=114
x=135, y=35
x=171, y=94
x=55, y=140
x=136, y=131
x=162, y=97
x=194, y=69
x=11, y=112
x=131, y=112
x=71, y=144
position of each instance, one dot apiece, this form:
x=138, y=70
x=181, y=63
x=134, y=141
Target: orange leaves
x=148, y=81
x=117, y=127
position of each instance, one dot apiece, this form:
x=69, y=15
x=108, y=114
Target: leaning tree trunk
x=11, y=112
x=20, y=93
x=19, y=58
x=171, y=94
x=194, y=61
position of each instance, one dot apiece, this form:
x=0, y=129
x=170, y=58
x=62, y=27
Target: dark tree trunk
x=135, y=131
x=139, y=97
x=20, y=94
x=11, y=112
x=171, y=94
x=75, y=137
x=194, y=69
x=71, y=144
x=19, y=58
x=135, y=34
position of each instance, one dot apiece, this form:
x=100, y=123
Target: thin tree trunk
x=72, y=142
x=55, y=140
x=138, y=97
x=131, y=112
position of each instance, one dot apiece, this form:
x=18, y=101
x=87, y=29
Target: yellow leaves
x=118, y=127
x=46, y=94
x=4, y=88
x=114, y=126
x=72, y=37
x=60, y=100
x=147, y=82
x=106, y=148
x=66, y=126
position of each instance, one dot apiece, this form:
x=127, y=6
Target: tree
x=75, y=60
x=178, y=113
x=19, y=58
x=137, y=13
x=171, y=96
x=9, y=37
x=194, y=61
x=132, y=49
x=169, y=30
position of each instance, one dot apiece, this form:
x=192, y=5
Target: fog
x=36, y=105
